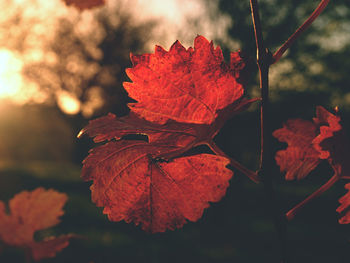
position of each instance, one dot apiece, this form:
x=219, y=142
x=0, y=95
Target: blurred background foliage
x=60, y=67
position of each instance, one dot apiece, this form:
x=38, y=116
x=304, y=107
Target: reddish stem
x=251, y=175
x=278, y=54
x=291, y=213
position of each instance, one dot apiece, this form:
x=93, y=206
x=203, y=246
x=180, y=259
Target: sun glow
x=68, y=103
x=10, y=74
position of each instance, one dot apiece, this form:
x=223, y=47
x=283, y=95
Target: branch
x=251, y=175
x=291, y=213
x=264, y=59
x=278, y=54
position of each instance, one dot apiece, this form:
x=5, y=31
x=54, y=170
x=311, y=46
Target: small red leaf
x=30, y=212
x=333, y=145
x=344, y=207
x=84, y=4
x=310, y=142
x=173, y=133
x=300, y=157
x=185, y=85
x=110, y=127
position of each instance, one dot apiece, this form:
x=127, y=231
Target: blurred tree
x=85, y=65
x=317, y=61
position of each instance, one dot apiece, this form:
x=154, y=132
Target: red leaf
x=344, y=207
x=333, y=144
x=185, y=85
x=159, y=195
x=300, y=157
x=110, y=127
x=310, y=142
x=185, y=97
x=30, y=212
x=127, y=174
x=84, y=4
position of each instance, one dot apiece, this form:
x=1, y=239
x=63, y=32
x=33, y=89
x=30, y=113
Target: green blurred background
x=60, y=68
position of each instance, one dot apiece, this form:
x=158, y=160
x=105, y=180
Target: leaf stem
x=278, y=54
x=251, y=175
x=291, y=213
x=264, y=60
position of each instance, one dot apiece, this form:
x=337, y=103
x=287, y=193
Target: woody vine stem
x=264, y=60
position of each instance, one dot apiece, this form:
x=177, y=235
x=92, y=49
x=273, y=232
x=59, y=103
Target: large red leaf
x=30, y=212
x=186, y=85
x=132, y=186
x=184, y=98
x=124, y=172
x=310, y=142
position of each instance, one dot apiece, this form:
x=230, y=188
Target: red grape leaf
x=186, y=85
x=300, y=157
x=110, y=127
x=184, y=98
x=132, y=186
x=30, y=212
x=344, y=207
x=182, y=136
x=84, y=4
x=310, y=142
x=333, y=144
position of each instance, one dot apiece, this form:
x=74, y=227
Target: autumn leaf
x=132, y=186
x=333, y=145
x=182, y=136
x=186, y=85
x=300, y=157
x=30, y=212
x=84, y=4
x=344, y=207
x=150, y=182
x=309, y=142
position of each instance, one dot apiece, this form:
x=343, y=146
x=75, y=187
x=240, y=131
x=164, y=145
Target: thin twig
x=291, y=213
x=249, y=173
x=278, y=54
x=257, y=27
